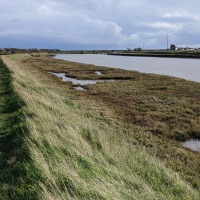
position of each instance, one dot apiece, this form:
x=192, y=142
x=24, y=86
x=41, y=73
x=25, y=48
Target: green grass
x=18, y=176
x=82, y=147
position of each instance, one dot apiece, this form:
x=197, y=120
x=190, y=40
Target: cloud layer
x=105, y=24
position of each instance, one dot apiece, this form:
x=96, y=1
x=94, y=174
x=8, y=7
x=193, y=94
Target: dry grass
x=83, y=148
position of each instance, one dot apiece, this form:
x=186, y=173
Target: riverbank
x=115, y=140
x=159, y=54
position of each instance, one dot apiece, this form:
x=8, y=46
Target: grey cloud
x=99, y=24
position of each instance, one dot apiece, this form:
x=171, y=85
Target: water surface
x=193, y=145
x=98, y=73
x=179, y=67
x=75, y=81
x=79, y=88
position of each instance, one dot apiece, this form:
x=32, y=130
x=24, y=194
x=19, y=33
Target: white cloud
x=165, y=25
x=172, y=15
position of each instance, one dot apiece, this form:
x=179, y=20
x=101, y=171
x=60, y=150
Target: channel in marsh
x=75, y=81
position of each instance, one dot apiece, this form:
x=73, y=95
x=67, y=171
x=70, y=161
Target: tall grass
x=79, y=148
x=18, y=176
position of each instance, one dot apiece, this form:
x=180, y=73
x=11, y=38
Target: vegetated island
x=114, y=140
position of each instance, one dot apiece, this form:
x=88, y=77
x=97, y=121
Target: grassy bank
x=18, y=176
x=84, y=147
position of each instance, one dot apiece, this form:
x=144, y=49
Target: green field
x=116, y=140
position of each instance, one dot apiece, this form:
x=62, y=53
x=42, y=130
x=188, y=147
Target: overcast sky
x=99, y=24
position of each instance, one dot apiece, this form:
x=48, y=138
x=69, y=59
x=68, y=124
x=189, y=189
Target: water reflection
x=193, y=145
x=98, y=73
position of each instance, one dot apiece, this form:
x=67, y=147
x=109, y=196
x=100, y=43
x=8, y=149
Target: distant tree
x=173, y=47
x=138, y=49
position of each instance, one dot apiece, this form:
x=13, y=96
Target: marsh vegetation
x=115, y=140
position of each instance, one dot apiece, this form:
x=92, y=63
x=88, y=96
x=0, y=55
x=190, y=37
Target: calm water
x=74, y=81
x=193, y=144
x=183, y=68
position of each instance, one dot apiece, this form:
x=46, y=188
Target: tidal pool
x=65, y=78
x=79, y=88
x=98, y=73
x=73, y=80
x=193, y=145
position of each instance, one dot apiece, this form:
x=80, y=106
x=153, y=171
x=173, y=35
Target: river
x=186, y=68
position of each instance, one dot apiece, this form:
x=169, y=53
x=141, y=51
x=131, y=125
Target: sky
x=99, y=24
